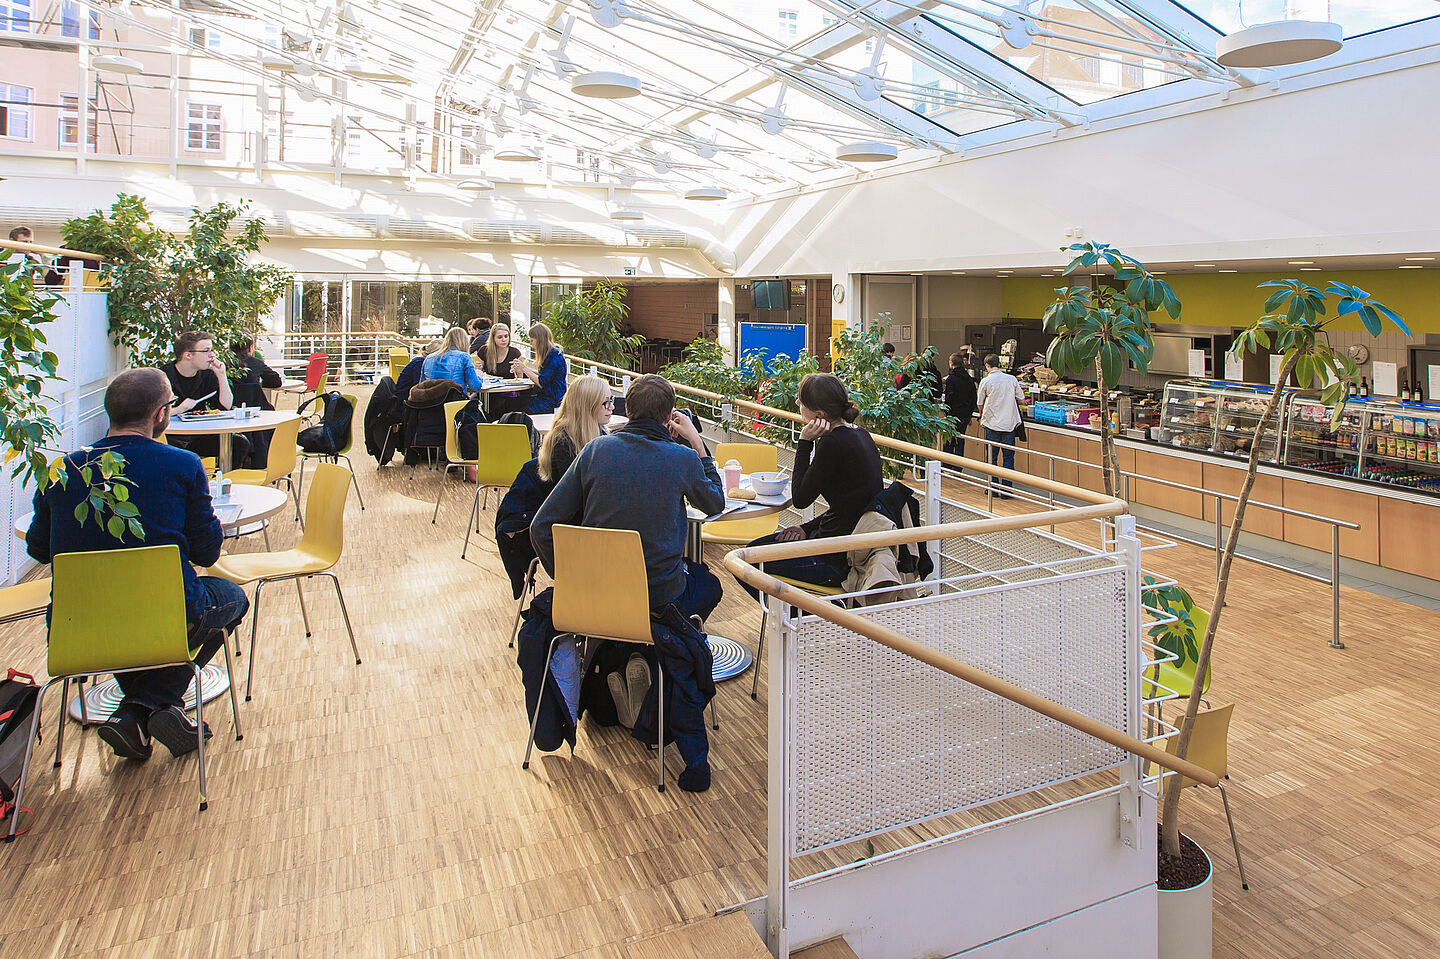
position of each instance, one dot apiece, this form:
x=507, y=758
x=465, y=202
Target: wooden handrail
x=740, y=563
x=52, y=250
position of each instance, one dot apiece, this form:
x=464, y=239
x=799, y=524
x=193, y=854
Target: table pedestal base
x=731, y=658
x=102, y=698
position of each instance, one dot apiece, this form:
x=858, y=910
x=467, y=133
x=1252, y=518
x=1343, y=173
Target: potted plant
x=588, y=322
x=1295, y=324
x=1098, y=326
x=161, y=284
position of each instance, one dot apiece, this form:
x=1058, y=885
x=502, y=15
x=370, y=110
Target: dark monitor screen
x=771, y=294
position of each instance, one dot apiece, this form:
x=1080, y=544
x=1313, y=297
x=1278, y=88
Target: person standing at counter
x=959, y=402
x=998, y=399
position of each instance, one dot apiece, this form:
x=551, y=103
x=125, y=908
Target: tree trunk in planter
x=1109, y=464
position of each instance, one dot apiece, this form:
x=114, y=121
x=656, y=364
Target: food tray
x=1053, y=411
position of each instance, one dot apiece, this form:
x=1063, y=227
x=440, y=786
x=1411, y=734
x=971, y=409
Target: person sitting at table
x=548, y=372
x=582, y=416
x=452, y=362
x=199, y=382
x=172, y=493
x=834, y=459
x=248, y=385
x=479, y=330
x=498, y=359
x=640, y=477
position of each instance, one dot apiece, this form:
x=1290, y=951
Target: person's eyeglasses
x=609, y=404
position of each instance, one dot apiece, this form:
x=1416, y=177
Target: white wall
x=1343, y=168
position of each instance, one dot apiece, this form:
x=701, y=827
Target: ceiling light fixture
x=115, y=63
x=605, y=85
x=1227, y=271
x=866, y=151
x=626, y=213
x=1301, y=262
x=306, y=92
x=517, y=153
x=1203, y=265
x=475, y=185
x=1309, y=269
x=1420, y=258
x=277, y=63
x=1412, y=266
x=706, y=193
x=1278, y=44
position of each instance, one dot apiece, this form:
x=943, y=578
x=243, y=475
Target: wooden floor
x=380, y=810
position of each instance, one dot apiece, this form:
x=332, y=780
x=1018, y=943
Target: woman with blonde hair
x=583, y=415
x=452, y=361
x=549, y=372
x=496, y=359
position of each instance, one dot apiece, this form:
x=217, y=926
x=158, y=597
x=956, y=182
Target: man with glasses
x=199, y=382
x=172, y=494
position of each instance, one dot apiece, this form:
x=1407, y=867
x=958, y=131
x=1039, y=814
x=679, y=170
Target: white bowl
x=768, y=484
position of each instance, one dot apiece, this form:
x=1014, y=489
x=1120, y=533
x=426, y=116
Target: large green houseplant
x=161, y=283
x=1295, y=325
x=587, y=323
x=1098, y=326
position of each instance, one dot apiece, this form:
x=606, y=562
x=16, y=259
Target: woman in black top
x=496, y=358
x=836, y=460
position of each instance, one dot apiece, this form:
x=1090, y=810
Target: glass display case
x=1219, y=417
x=1380, y=441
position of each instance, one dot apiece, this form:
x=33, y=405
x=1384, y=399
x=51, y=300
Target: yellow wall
x=1231, y=299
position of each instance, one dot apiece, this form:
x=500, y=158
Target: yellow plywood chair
x=117, y=611
x=399, y=358
x=504, y=448
x=753, y=458
x=601, y=592
x=453, y=459
x=319, y=550
x=341, y=454
x=24, y=600
x=279, y=463
x=1210, y=749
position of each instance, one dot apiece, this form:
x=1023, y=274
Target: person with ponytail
x=834, y=459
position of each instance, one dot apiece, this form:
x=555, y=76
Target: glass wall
x=408, y=307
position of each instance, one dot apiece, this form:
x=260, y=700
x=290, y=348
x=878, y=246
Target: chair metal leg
x=759, y=649
x=660, y=724
x=200, y=734
x=344, y=613
x=60, y=725
x=230, y=675
x=265, y=531
x=254, y=623
x=304, y=614
x=1233, y=841
x=438, y=494
x=354, y=483
x=715, y=711
x=300, y=488
x=84, y=708
x=475, y=517
x=527, y=587
x=30, y=737
x=539, y=701
x=295, y=495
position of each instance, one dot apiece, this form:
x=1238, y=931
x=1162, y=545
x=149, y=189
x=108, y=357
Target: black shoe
x=696, y=778
x=174, y=730
x=124, y=732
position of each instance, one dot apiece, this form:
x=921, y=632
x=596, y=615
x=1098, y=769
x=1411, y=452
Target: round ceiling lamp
x=115, y=63
x=517, y=153
x=475, y=185
x=276, y=63
x=706, y=193
x=866, y=151
x=306, y=92
x=626, y=213
x=605, y=85
x=1278, y=44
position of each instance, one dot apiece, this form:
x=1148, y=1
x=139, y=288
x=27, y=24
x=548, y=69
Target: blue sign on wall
x=772, y=339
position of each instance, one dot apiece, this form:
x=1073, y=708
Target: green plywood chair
x=117, y=611
x=1182, y=638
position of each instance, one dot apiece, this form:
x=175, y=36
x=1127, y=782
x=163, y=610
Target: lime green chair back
x=117, y=609
x=504, y=448
x=323, y=383
x=1182, y=640
x=354, y=418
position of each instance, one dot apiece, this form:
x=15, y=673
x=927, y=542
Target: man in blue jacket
x=640, y=478
x=172, y=493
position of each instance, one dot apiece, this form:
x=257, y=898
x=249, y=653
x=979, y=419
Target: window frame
x=27, y=111
x=9, y=16
x=71, y=115
x=203, y=126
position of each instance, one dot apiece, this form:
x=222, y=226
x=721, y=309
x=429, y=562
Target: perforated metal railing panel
x=878, y=740
x=1010, y=556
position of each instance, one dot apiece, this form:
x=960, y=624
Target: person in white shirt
x=998, y=399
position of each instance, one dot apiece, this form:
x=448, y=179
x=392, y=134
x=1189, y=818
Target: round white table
x=257, y=503
x=225, y=426
x=545, y=422
x=730, y=658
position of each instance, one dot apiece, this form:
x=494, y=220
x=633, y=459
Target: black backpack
x=332, y=434
x=18, y=693
x=467, y=418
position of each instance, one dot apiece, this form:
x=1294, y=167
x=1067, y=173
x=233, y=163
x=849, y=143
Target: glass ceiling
x=746, y=95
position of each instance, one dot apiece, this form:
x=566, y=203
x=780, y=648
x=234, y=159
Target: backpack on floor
x=18, y=693
x=332, y=433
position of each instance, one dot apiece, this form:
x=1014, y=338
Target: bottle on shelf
x=1404, y=391
x=1364, y=388
x=1352, y=389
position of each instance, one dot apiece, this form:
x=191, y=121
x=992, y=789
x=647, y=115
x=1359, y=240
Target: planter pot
x=1185, y=919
